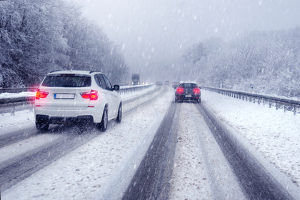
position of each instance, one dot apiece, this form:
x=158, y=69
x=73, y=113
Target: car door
x=105, y=92
x=114, y=97
x=108, y=96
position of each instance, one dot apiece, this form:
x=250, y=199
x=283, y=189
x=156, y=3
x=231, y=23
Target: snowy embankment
x=94, y=168
x=275, y=134
x=17, y=121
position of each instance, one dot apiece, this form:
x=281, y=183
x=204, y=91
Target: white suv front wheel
x=119, y=117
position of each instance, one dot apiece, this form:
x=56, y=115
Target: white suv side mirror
x=116, y=87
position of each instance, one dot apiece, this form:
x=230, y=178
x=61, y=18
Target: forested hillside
x=40, y=36
x=264, y=62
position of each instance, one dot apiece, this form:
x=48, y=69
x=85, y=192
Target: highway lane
x=201, y=170
x=191, y=154
x=222, y=170
x=164, y=175
x=70, y=138
x=151, y=180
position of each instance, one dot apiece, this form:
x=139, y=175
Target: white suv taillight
x=92, y=95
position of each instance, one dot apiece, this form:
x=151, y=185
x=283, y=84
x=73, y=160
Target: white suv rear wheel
x=104, y=121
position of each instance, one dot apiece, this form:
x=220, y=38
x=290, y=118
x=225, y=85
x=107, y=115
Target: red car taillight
x=92, y=95
x=196, y=91
x=180, y=90
x=41, y=94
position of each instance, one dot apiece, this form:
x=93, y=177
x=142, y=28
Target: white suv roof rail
x=73, y=71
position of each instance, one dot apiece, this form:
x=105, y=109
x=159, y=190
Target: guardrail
x=17, y=90
x=23, y=98
x=277, y=102
x=133, y=88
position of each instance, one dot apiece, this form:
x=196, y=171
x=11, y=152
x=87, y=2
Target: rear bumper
x=61, y=120
x=187, y=98
x=56, y=116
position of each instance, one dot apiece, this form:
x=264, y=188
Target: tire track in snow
x=200, y=171
x=151, y=180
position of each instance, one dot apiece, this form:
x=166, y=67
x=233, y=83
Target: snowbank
x=274, y=133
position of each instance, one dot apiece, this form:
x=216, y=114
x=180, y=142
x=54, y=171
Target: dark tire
x=103, y=124
x=199, y=101
x=119, y=117
x=41, y=126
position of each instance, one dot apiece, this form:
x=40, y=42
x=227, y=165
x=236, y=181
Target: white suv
x=77, y=96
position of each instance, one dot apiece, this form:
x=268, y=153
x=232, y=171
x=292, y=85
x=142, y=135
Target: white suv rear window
x=67, y=80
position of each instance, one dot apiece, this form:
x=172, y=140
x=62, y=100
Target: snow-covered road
x=26, y=143
x=160, y=150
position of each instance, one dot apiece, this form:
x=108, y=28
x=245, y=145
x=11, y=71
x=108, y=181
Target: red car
x=188, y=91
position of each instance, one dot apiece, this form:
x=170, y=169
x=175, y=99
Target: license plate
x=188, y=95
x=64, y=96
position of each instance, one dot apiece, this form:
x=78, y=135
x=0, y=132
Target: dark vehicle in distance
x=135, y=79
x=188, y=91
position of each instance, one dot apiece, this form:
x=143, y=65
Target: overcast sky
x=155, y=32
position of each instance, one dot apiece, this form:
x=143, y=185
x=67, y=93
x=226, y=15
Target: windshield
x=67, y=80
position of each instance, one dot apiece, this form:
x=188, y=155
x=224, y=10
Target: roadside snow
x=15, y=95
x=19, y=120
x=20, y=148
x=85, y=172
x=200, y=168
x=274, y=133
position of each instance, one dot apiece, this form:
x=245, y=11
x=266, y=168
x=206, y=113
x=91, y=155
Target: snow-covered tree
x=40, y=36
